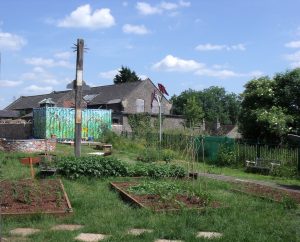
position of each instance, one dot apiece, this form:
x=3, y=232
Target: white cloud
x=38, y=61
x=83, y=17
x=217, y=73
x=210, y=47
x=294, y=58
x=293, y=44
x=172, y=63
x=147, y=9
x=109, y=74
x=143, y=77
x=135, y=29
x=168, y=6
x=40, y=75
x=184, y=3
x=63, y=55
x=34, y=89
x=8, y=83
x=10, y=41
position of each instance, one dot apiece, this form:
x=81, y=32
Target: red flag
x=162, y=89
x=153, y=96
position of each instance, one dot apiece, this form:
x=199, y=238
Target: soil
x=271, y=193
x=156, y=203
x=30, y=196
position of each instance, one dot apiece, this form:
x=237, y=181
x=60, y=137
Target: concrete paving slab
x=23, y=231
x=167, y=240
x=137, y=232
x=68, y=227
x=14, y=239
x=209, y=235
x=90, y=237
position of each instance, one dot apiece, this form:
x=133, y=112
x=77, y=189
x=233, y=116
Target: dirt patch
x=30, y=196
x=267, y=192
x=157, y=203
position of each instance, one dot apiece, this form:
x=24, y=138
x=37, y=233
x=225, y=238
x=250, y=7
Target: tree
x=270, y=107
x=215, y=103
x=126, y=75
x=258, y=95
x=193, y=112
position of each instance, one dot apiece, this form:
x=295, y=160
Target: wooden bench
x=263, y=166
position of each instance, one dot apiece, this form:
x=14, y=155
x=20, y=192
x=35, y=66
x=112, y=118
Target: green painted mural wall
x=60, y=122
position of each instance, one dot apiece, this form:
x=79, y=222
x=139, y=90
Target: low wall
x=170, y=122
x=16, y=131
x=28, y=145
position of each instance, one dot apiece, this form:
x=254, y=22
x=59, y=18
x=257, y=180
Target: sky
x=181, y=44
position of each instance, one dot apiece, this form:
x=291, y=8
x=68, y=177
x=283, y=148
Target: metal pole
x=78, y=96
x=159, y=108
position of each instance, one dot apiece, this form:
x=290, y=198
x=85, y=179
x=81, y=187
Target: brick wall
x=16, y=131
x=28, y=146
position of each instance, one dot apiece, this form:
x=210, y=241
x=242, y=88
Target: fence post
x=298, y=159
x=258, y=149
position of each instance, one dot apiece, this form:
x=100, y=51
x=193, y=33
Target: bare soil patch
x=29, y=196
x=156, y=203
x=267, y=192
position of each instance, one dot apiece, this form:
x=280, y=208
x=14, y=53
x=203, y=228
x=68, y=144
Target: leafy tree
x=258, y=95
x=214, y=101
x=126, y=75
x=287, y=92
x=193, y=112
x=270, y=107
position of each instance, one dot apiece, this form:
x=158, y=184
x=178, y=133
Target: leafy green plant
x=288, y=202
x=168, y=155
x=90, y=166
x=226, y=156
x=101, y=167
x=148, y=155
x=285, y=170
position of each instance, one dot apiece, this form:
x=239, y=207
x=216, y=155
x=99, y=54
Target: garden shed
x=58, y=121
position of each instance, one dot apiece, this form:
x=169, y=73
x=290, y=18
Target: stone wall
x=170, y=122
x=144, y=92
x=28, y=146
x=16, y=131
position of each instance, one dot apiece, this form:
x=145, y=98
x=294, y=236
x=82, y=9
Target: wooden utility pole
x=78, y=95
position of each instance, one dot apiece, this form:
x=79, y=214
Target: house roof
x=111, y=93
x=29, y=102
x=94, y=96
x=9, y=114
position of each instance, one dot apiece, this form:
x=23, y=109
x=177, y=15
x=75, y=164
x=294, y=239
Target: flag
x=162, y=89
x=153, y=96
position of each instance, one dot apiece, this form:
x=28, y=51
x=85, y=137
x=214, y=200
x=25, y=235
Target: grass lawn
x=100, y=210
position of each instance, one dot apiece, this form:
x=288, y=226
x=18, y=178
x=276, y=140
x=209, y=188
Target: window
x=140, y=105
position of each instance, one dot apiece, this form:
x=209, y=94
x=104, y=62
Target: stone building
x=123, y=99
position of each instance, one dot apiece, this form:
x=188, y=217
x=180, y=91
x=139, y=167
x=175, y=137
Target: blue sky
x=179, y=43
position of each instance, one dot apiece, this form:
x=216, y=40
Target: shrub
x=285, y=170
x=101, y=167
x=226, y=156
x=148, y=155
x=168, y=155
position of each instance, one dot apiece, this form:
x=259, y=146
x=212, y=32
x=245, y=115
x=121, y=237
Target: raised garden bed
x=158, y=202
x=29, y=196
x=267, y=192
